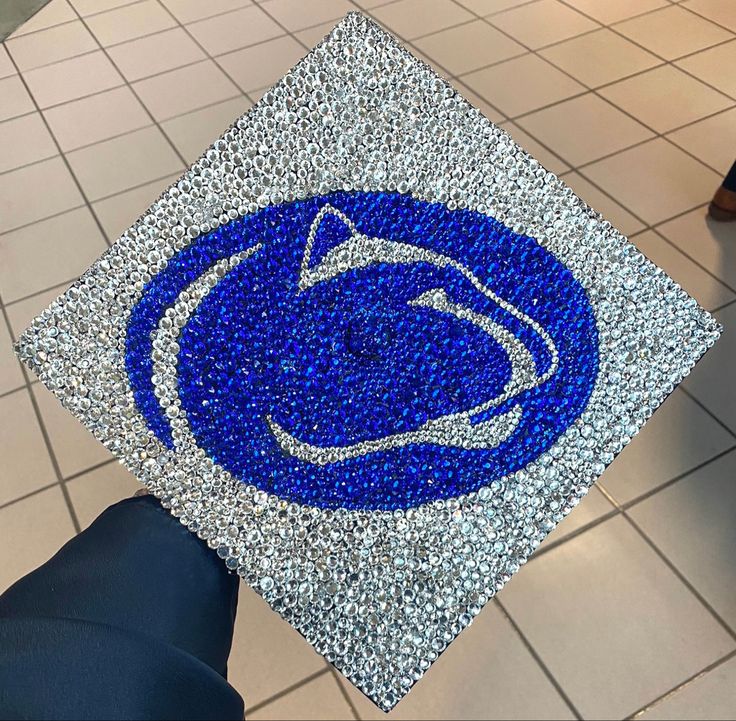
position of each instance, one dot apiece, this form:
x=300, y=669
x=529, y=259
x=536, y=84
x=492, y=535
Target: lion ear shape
x=330, y=228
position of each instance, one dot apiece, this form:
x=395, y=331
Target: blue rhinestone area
x=355, y=358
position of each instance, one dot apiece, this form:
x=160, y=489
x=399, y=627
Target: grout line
x=122, y=84
x=533, y=652
x=207, y=53
x=30, y=494
x=344, y=692
x=683, y=685
x=624, y=509
x=95, y=467
x=77, y=207
x=40, y=220
x=626, y=505
x=136, y=95
x=607, y=516
x=12, y=390
x=722, y=307
x=595, y=91
x=285, y=29
x=288, y=689
x=64, y=159
x=13, y=36
x=62, y=286
x=45, y=435
x=692, y=397
x=695, y=261
x=620, y=507
x=705, y=17
x=683, y=579
x=612, y=28
x=56, y=62
x=83, y=97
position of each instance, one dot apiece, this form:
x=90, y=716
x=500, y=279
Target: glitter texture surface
x=370, y=351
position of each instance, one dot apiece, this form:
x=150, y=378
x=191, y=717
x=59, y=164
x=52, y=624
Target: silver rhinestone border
x=379, y=594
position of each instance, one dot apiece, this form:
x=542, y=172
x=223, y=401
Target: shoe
x=723, y=206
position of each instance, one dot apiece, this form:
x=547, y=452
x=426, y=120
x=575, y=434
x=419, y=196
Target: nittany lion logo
x=363, y=350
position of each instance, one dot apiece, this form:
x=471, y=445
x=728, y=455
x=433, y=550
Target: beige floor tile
x=607, y=12
x=232, y=31
x=532, y=146
x=319, y=699
x=93, y=492
x=590, y=509
x=47, y=253
x=692, y=523
x=413, y=18
x=73, y=78
x=6, y=65
x=665, y=98
x=24, y=140
x=92, y=7
x=608, y=57
x=584, y=129
x=486, y=673
x=712, y=696
x=21, y=314
x=26, y=464
x=51, y=45
x=14, y=98
x=268, y=654
x=541, y=23
x=488, y=7
x=156, y=54
x=477, y=102
x=311, y=36
x=672, y=32
x=55, y=13
x=195, y=132
x=614, y=213
x=468, y=47
x=296, y=16
x=10, y=376
x=708, y=242
x=655, y=180
x=96, y=118
x=708, y=291
x=709, y=67
x=711, y=382
x=129, y=22
x=75, y=448
x=716, y=10
x=186, y=89
x=677, y=438
x=536, y=84
x=604, y=606
x=187, y=11
x=119, y=212
x=708, y=139
x=262, y=65
x=32, y=531
x=365, y=4
x=121, y=163
x=20, y=200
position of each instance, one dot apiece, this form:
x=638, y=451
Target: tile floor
x=629, y=608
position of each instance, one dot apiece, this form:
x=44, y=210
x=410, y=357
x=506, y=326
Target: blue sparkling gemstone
x=353, y=359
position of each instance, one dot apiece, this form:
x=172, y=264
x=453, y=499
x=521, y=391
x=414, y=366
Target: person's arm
x=132, y=619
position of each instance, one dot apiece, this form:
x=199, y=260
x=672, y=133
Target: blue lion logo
x=364, y=350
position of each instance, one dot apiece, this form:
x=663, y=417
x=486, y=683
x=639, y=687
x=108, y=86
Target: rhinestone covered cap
x=370, y=351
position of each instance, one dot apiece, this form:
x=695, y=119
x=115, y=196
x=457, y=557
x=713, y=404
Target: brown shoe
x=723, y=206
